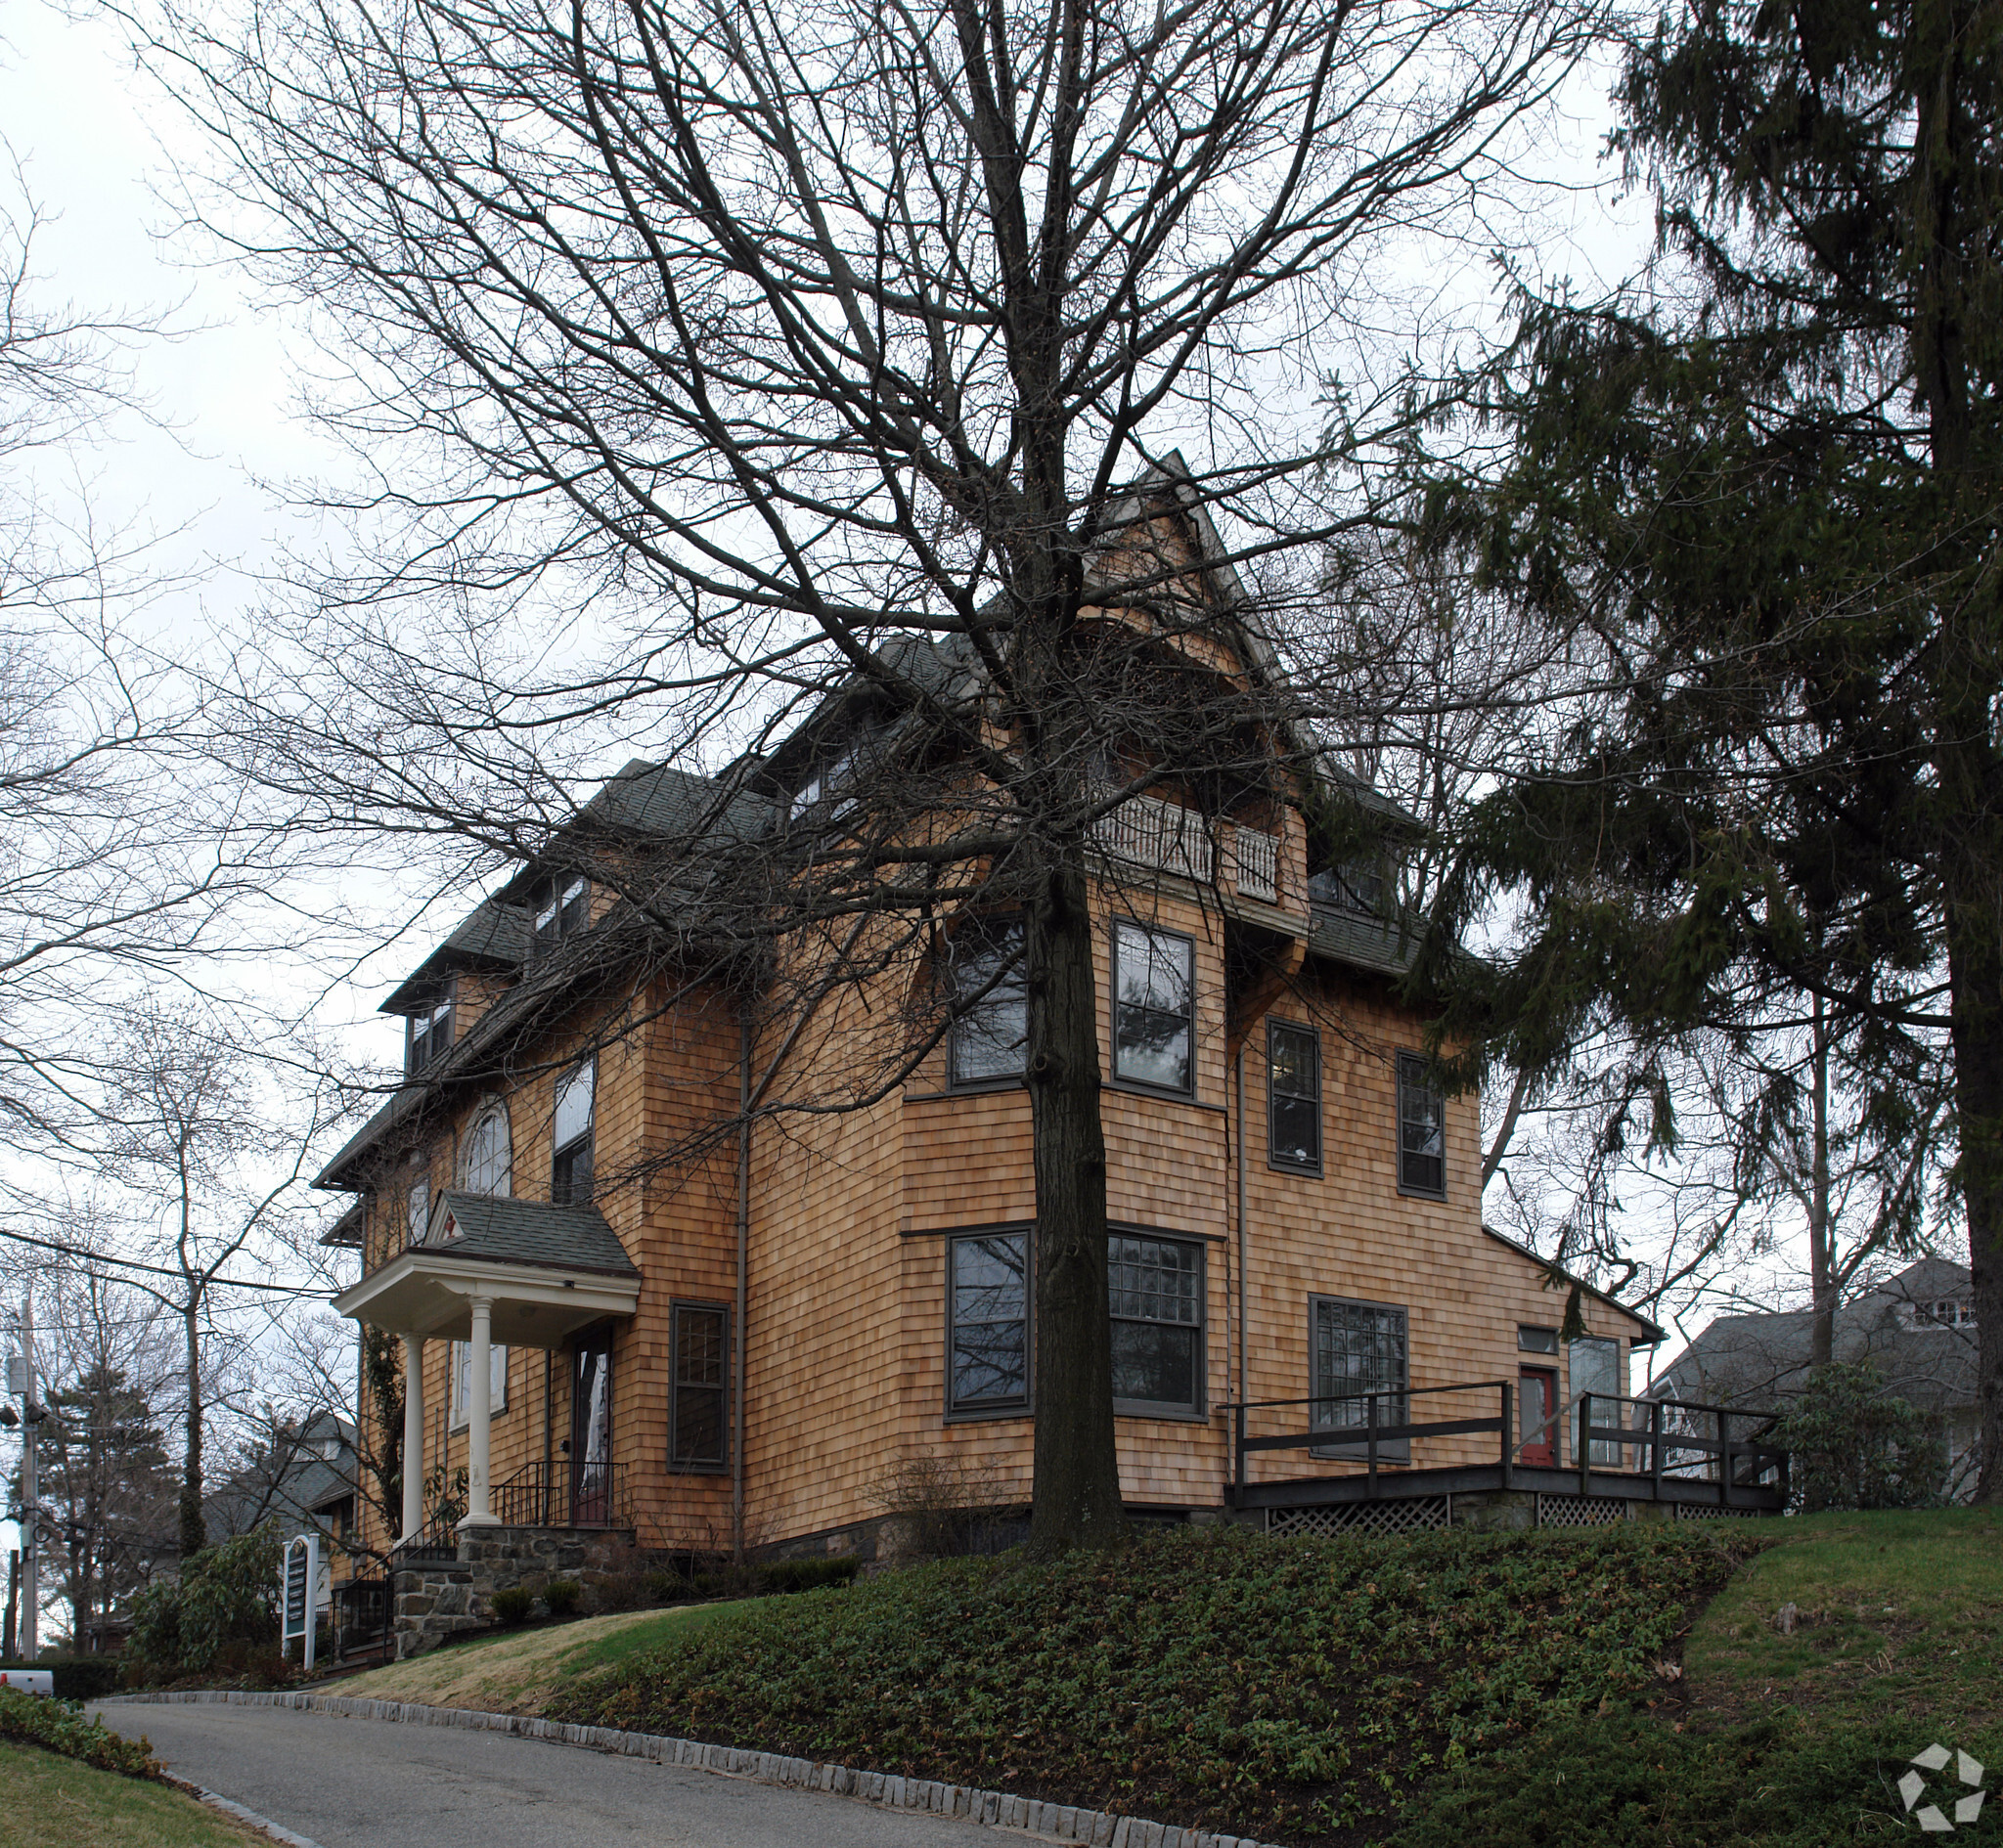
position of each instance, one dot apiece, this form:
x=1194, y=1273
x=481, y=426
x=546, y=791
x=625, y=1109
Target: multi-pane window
x=562, y=908
x=487, y=1166
x=988, y=1291
x=1421, y=1129
x=986, y=1039
x=1943, y=1312
x=1595, y=1365
x=1154, y=1289
x=429, y=1035
x=1356, y=1349
x=570, y=1136
x=1154, y=1012
x=1293, y=1096
x=700, y=1387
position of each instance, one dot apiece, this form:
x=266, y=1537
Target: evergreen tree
x=1769, y=491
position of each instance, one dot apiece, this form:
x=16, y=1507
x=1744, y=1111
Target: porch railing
x=561, y=1494
x=1648, y=1443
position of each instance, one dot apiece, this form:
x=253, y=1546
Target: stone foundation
x=437, y=1598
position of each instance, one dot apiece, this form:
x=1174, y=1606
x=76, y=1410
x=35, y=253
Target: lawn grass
x=1300, y=1691
x=520, y=1671
x=51, y=1802
x=1773, y=1740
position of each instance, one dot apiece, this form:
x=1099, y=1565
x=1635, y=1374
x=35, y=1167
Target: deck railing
x=561, y=1494
x=1647, y=1442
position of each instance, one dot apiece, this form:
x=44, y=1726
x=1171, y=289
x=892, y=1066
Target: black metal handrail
x=563, y=1493
x=1743, y=1462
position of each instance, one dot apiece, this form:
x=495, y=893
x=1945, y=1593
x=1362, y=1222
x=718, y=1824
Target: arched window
x=488, y=1164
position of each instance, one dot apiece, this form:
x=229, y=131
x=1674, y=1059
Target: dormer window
x=427, y=1034
x=561, y=910
x=1943, y=1312
x=1354, y=885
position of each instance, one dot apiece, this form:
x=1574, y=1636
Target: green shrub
x=1852, y=1449
x=797, y=1575
x=61, y=1727
x=79, y=1677
x=220, y=1615
x=561, y=1596
x=513, y=1605
x=624, y=1591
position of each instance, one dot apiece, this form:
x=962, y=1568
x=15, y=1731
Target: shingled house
x=752, y=1342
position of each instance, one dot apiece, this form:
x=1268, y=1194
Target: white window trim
x=497, y=1380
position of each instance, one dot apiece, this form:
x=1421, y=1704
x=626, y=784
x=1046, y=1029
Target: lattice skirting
x=1696, y=1511
x=1581, y=1511
x=1416, y=1514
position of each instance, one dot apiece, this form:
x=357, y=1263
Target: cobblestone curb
x=994, y=1809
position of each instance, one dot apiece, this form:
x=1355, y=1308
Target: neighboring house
x=1918, y=1328
x=760, y=1344
x=305, y=1479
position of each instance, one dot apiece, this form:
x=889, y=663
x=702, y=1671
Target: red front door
x=1537, y=1389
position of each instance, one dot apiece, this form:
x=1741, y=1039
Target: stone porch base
x=434, y=1598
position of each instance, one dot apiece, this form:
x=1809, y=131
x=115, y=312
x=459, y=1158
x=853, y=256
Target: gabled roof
x=1649, y=1339
x=488, y=1227
x=1736, y=1356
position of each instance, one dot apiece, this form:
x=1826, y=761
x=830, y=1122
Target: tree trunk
x=1821, y=1234
x=194, y=1528
x=1077, y=1470
x=1975, y=964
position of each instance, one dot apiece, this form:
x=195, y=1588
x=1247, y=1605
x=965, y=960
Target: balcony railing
x=1146, y=831
x=1255, y=863
x=1657, y=1449
x=563, y=1494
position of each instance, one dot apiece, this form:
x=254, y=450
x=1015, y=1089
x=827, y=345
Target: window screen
x=1358, y=1349
x=1421, y=1129
x=1293, y=1101
x=1154, y=1014
x=988, y=1040
x=700, y=1389
x=1154, y=1289
x=987, y=1367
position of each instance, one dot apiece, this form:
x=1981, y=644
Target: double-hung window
x=487, y=1161
x=1154, y=1289
x=987, y=1364
x=1358, y=1358
x=699, y=1425
x=985, y=963
x=1293, y=1097
x=571, y=1137
x=1154, y=1013
x=1421, y=1129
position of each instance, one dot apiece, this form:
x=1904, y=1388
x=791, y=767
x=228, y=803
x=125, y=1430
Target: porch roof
x=548, y=1270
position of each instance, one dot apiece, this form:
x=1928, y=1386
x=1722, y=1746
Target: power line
x=159, y=1270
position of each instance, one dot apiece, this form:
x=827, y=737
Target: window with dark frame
x=1421, y=1129
x=1154, y=1009
x=1356, y=1349
x=987, y=1364
x=1537, y=1341
x=1154, y=1290
x=571, y=1137
x=562, y=908
x=987, y=1042
x=429, y=1036
x=1293, y=1097
x=698, y=1392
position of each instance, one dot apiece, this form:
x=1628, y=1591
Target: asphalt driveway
x=364, y=1783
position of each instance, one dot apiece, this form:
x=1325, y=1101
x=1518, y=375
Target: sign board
x=299, y=1592
x=16, y=1374
x=29, y=1681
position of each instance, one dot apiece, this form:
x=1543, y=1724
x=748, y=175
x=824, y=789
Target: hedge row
x=78, y=1677
x=60, y=1727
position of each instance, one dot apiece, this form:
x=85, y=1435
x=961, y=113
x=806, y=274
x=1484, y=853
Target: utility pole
x=30, y=1496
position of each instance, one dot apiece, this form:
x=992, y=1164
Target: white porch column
x=412, y=1435
x=479, y=1373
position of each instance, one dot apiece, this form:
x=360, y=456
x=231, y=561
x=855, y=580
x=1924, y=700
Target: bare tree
x=815, y=348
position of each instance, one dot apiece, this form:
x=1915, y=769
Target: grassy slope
x=1774, y=1741
x=1298, y=1690
x=52, y=1802
x=521, y=1671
